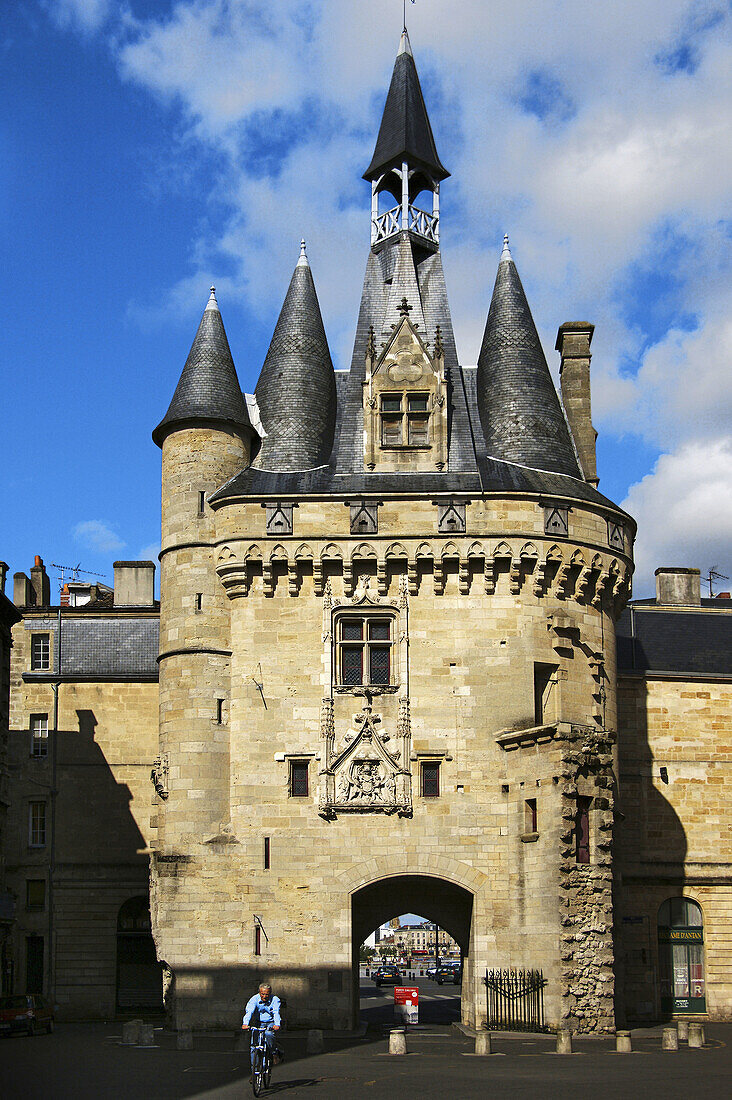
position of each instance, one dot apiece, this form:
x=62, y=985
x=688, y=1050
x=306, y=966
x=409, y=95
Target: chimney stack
x=134, y=584
x=678, y=587
x=573, y=344
x=3, y=575
x=41, y=583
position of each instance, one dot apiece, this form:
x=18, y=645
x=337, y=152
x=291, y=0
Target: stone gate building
x=387, y=647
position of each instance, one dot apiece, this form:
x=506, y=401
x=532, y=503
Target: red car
x=24, y=1012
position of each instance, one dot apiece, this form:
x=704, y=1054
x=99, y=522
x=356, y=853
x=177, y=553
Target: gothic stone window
x=363, y=649
x=405, y=420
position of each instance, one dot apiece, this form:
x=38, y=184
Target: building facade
x=420, y=940
x=82, y=745
x=387, y=647
x=8, y=617
x=674, y=840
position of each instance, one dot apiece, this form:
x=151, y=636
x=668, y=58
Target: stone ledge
x=508, y=740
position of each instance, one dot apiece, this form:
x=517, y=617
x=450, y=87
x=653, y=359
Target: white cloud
x=684, y=511
x=98, y=535
x=149, y=552
x=86, y=15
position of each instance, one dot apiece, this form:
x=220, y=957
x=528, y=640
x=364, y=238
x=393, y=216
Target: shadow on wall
x=650, y=848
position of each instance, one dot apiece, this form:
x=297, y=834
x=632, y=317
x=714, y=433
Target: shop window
x=40, y=652
x=364, y=645
x=681, y=956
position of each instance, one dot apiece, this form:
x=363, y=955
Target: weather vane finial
x=404, y=12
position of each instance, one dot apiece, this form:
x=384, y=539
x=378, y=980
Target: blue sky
x=150, y=148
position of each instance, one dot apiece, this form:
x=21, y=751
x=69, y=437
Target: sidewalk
x=87, y=1062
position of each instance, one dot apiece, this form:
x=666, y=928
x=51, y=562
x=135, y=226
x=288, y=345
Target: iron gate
x=515, y=1000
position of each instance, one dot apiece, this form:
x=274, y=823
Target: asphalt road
x=87, y=1062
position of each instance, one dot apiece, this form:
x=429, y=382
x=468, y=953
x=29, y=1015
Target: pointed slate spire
x=296, y=391
x=208, y=389
x=405, y=132
x=522, y=418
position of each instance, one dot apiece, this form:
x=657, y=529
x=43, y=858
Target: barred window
x=40, y=652
x=39, y=735
x=299, y=785
x=431, y=779
x=364, y=645
x=37, y=824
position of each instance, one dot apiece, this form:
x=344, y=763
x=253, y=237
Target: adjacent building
x=9, y=616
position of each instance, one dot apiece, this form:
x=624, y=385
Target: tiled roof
x=662, y=639
x=522, y=418
x=405, y=132
x=208, y=389
x=296, y=389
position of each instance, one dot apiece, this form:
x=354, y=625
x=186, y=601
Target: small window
x=530, y=816
x=219, y=711
x=544, y=697
x=199, y=601
x=364, y=646
x=40, y=652
x=299, y=787
x=391, y=431
x=201, y=502
x=430, y=779
x=405, y=422
x=35, y=894
x=39, y=735
x=37, y=824
x=266, y=853
x=257, y=940
x=582, y=830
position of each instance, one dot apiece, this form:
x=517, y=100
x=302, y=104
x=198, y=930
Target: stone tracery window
x=364, y=649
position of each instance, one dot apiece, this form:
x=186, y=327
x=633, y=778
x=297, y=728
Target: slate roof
x=696, y=641
x=99, y=647
x=208, y=388
x=405, y=132
x=520, y=412
x=296, y=391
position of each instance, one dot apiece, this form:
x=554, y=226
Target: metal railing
x=515, y=1000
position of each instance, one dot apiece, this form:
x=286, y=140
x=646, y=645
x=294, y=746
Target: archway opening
x=139, y=977
x=447, y=906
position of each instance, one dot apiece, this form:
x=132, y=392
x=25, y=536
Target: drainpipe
x=51, y=981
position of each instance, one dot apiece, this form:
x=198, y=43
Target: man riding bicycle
x=267, y=1008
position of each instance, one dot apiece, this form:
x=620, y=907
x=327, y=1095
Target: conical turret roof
x=405, y=132
x=208, y=388
x=522, y=418
x=296, y=391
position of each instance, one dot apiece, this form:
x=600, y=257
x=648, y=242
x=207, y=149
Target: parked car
x=387, y=975
x=448, y=974
x=431, y=971
x=25, y=1012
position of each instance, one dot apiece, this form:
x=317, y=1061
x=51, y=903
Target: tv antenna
x=713, y=576
x=72, y=572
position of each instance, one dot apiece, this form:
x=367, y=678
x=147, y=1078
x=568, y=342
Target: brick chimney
x=41, y=583
x=134, y=584
x=573, y=344
x=678, y=587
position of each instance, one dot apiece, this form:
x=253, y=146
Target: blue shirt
x=269, y=1012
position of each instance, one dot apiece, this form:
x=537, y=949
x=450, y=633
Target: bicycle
x=261, y=1058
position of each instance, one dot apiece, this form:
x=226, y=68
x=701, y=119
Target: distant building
x=84, y=712
x=673, y=849
x=419, y=939
x=9, y=616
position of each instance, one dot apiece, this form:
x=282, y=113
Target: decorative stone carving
x=159, y=775
x=364, y=518
x=279, y=518
x=451, y=518
x=616, y=535
x=364, y=776
x=556, y=520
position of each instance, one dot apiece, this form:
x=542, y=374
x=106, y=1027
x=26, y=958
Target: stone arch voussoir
x=402, y=863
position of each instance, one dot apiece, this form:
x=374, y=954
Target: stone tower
x=407, y=608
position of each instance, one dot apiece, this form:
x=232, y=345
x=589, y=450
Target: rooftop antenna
x=73, y=571
x=713, y=576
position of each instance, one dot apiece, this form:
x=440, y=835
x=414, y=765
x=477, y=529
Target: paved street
x=87, y=1062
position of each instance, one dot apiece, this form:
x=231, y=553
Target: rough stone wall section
x=588, y=984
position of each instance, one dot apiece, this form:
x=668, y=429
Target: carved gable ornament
x=365, y=774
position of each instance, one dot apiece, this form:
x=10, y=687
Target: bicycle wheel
x=257, y=1073
x=267, y=1069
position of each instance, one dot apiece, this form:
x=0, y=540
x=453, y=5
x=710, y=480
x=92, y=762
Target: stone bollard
x=682, y=1028
x=670, y=1039
x=147, y=1036
x=315, y=1041
x=564, y=1042
x=696, y=1035
x=131, y=1033
x=623, y=1045
x=184, y=1039
x=483, y=1042
x=397, y=1041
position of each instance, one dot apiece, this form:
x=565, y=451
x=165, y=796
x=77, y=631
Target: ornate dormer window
x=363, y=649
x=405, y=410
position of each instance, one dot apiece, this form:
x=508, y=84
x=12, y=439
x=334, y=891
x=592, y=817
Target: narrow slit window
x=201, y=502
x=544, y=694
x=266, y=853
x=430, y=779
x=257, y=940
x=582, y=830
x=199, y=600
x=219, y=711
x=530, y=816
x=299, y=786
